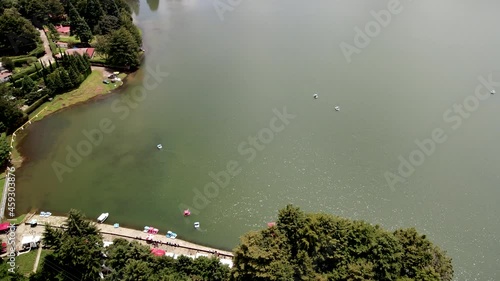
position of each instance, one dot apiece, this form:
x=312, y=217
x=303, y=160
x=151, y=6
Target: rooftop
x=63, y=29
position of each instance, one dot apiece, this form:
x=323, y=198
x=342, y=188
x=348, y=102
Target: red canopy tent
x=158, y=252
x=4, y=226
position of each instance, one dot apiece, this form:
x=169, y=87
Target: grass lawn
x=92, y=86
x=68, y=39
x=16, y=220
x=25, y=262
x=43, y=254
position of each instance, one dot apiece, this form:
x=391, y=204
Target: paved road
x=47, y=58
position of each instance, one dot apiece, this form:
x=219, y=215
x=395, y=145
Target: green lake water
x=227, y=77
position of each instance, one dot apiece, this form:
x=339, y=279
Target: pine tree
x=49, y=83
x=86, y=59
x=44, y=74
x=59, y=85
x=81, y=65
x=79, y=26
x=28, y=85
x=93, y=13
x=74, y=76
x=66, y=80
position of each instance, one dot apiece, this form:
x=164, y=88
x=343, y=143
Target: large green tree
x=17, y=34
x=77, y=251
x=93, y=13
x=79, y=26
x=123, y=49
x=126, y=22
x=324, y=247
x=107, y=24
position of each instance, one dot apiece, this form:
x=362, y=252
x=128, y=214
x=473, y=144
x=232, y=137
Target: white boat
x=102, y=217
x=337, y=108
x=159, y=146
x=493, y=92
x=171, y=234
x=315, y=96
x=196, y=225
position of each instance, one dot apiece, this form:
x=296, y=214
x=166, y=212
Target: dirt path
x=104, y=70
x=47, y=58
x=37, y=260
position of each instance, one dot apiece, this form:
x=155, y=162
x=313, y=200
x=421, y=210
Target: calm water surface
x=226, y=77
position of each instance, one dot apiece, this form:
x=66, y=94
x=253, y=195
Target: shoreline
x=109, y=233
x=98, y=93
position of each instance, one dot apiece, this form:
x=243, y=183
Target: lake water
x=230, y=76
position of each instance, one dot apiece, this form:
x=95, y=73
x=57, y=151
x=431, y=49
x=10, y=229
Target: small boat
x=159, y=146
x=337, y=108
x=196, y=225
x=187, y=213
x=171, y=234
x=315, y=96
x=102, y=217
x=493, y=92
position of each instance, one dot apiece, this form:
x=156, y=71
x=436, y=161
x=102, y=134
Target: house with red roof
x=81, y=51
x=63, y=30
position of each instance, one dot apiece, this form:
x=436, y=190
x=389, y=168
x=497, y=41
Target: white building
x=31, y=241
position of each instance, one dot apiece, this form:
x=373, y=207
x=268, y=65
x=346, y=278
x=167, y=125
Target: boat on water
x=102, y=217
x=315, y=96
x=171, y=234
x=493, y=92
x=196, y=225
x=337, y=108
x=159, y=146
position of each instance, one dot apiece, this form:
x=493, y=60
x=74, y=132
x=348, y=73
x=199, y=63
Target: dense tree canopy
x=17, y=34
x=77, y=251
x=4, y=151
x=324, y=247
x=123, y=49
x=41, y=11
x=299, y=247
x=134, y=262
x=10, y=115
x=79, y=26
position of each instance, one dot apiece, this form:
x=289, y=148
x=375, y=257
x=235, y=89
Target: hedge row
x=38, y=52
x=18, y=62
x=36, y=104
x=27, y=71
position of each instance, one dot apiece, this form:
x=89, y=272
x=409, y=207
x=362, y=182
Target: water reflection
x=153, y=4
